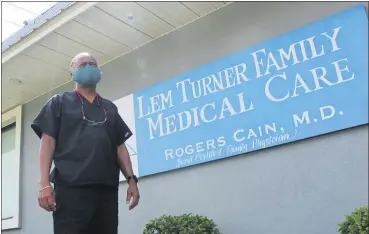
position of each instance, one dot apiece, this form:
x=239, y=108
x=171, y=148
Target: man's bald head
x=81, y=60
x=84, y=70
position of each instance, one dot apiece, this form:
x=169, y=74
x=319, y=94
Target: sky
x=15, y=13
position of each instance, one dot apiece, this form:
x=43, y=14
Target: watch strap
x=132, y=177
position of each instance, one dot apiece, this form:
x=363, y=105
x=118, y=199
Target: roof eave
x=43, y=25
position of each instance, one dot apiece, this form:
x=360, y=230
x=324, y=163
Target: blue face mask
x=87, y=75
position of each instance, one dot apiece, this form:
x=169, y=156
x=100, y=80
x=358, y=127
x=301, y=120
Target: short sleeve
x=48, y=120
x=123, y=133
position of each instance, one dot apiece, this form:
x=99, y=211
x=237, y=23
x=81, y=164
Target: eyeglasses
x=91, y=122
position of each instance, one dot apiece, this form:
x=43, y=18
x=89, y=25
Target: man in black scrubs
x=84, y=134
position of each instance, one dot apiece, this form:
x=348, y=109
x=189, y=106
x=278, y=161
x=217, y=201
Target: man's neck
x=88, y=91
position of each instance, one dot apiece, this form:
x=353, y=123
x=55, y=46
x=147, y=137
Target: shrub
x=184, y=224
x=356, y=223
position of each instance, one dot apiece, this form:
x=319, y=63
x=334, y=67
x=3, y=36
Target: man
x=84, y=134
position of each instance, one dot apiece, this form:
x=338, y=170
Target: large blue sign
x=305, y=83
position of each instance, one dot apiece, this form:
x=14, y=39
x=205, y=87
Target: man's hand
x=46, y=198
x=133, y=195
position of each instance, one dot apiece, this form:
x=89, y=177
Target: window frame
x=8, y=118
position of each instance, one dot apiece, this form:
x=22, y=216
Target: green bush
x=356, y=223
x=184, y=224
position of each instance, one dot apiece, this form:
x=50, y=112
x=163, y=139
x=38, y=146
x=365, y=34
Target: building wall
x=299, y=188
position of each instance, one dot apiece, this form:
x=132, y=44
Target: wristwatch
x=132, y=177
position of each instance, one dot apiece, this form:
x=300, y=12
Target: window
x=10, y=168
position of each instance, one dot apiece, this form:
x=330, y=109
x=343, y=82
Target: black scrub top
x=84, y=154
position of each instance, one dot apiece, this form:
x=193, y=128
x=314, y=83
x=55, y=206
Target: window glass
x=8, y=172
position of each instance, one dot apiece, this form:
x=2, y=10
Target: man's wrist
x=44, y=183
x=132, y=179
x=132, y=182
